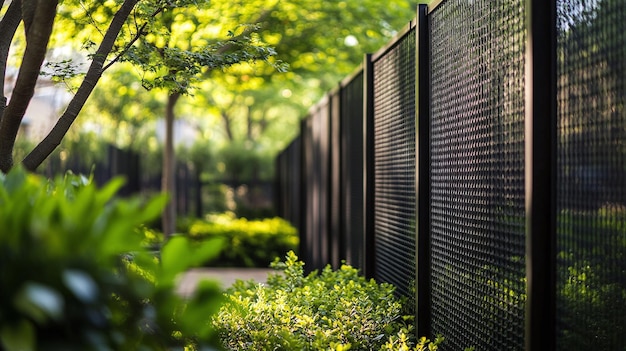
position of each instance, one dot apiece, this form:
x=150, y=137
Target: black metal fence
x=478, y=163
x=128, y=165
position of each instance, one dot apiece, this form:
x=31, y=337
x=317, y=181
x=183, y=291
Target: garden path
x=225, y=276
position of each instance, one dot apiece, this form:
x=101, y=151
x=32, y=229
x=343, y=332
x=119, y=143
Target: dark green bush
x=337, y=310
x=591, y=279
x=247, y=243
x=75, y=273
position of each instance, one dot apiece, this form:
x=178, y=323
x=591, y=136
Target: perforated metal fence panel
x=394, y=165
x=477, y=174
x=591, y=171
x=475, y=232
x=352, y=169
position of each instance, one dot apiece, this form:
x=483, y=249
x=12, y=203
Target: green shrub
x=75, y=273
x=247, y=243
x=404, y=342
x=336, y=310
x=591, y=276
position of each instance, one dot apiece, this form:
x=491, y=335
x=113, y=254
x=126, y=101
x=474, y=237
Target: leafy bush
x=337, y=310
x=75, y=274
x=247, y=243
x=591, y=279
x=403, y=342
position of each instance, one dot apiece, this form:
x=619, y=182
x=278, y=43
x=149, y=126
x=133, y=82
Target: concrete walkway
x=225, y=276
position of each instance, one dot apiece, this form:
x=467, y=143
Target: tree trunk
x=168, y=184
x=53, y=139
x=8, y=27
x=227, y=126
x=249, y=123
x=37, y=37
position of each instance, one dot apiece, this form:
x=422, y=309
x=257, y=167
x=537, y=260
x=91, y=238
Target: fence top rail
x=321, y=103
x=434, y=5
x=334, y=91
x=344, y=82
x=395, y=40
x=349, y=78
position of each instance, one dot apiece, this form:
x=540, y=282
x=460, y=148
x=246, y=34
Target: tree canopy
x=143, y=33
x=321, y=42
x=159, y=53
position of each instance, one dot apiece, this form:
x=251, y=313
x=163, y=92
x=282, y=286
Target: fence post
x=337, y=247
x=422, y=173
x=368, y=167
x=305, y=178
x=540, y=175
x=323, y=149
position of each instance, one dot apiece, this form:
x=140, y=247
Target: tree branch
x=246, y=32
x=54, y=137
x=140, y=32
x=227, y=126
x=29, y=9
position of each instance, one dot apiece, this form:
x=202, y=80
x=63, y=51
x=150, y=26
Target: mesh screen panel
x=477, y=174
x=591, y=171
x=352, y=169
x=394, y=162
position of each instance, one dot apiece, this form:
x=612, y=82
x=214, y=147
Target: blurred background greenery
x=231, y=124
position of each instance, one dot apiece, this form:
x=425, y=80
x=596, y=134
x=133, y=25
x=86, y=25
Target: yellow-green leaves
x=18, y=337
x=248, y=243
x=331, y=310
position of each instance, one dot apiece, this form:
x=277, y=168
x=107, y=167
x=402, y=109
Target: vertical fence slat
x=540, y=174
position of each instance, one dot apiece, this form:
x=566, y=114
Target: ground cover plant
x=75, y=273
x=591, y=278
x=331, y=310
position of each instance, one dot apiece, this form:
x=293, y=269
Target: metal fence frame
x=323, y=177
x=127, y=164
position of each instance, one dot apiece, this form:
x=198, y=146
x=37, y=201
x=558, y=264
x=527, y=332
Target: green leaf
x=207, y=249
x=40, y=302
x=203, y=304
x=18, y=337
x=154, y=207
x=179, y=254
x=81, y=285
x=174, y=257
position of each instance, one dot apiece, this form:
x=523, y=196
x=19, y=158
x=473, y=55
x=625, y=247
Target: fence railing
x=128, y=165
x=478, y=163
